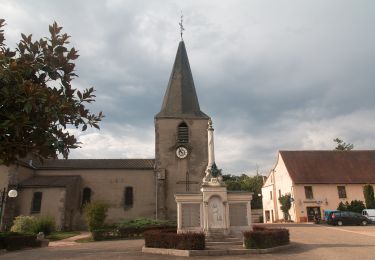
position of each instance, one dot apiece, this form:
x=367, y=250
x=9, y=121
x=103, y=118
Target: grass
x=59, y=235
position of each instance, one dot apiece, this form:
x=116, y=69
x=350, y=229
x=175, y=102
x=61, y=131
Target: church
x=131, y=187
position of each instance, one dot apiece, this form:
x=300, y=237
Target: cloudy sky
x=273, y=75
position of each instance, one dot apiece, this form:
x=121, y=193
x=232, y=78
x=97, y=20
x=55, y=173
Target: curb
x=214, y=252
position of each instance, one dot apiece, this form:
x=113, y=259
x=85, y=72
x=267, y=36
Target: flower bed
x=168, y=238
x=262, y=237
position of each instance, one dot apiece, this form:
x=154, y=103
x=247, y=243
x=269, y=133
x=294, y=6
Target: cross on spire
x=182, y=29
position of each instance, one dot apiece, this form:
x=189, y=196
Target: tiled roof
x=62, y=164
x=50, y=181
x=330, y=167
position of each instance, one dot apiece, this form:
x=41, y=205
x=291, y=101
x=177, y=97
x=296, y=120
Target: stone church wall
x=108, y=185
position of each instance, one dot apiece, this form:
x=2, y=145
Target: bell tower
x=180, y=138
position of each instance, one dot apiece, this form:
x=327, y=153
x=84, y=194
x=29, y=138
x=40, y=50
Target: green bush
x=95, y=213
x=45, y=224
x=261, y=238
x=23, y=224
x=30, y=224
x=143, y=222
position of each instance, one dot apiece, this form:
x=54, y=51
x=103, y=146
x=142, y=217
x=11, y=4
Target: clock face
x=181, y=152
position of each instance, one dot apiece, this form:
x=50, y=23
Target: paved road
x=312, y=242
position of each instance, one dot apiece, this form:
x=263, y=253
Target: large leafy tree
x=37, y=100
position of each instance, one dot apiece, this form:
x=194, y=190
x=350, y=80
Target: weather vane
x=182, y=29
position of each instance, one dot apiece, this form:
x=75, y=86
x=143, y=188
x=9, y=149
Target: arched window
x=86, y=196
x=183, y=133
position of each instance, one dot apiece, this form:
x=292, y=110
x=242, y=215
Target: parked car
x=347, y=218
x=369, y=213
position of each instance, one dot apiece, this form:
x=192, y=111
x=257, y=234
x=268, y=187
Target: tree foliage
x=368, y=192
x=37, y=100
x=246, y=183
x=342, y=146
x=286, y=204
x=354, y=206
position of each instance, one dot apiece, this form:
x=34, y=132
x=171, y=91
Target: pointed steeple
x=181, y=99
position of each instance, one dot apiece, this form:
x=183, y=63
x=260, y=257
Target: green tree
x=286, y=204
x=246, y=183
x=342, y=146
x=37, y=100
x=368, y=192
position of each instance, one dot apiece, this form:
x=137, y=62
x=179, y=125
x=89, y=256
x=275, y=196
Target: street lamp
x=12, y=193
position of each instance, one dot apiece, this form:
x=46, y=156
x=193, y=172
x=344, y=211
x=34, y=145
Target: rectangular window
x=342, y=192
x=271, y=195
x=37, y=202
x=309, y=192
x=279, y=193
x=128, y=197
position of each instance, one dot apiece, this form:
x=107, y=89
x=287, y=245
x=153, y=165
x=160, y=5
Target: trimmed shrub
x=144, y=222
x=14, y=241
x=168, y=238
x=256, y=227
x=266, y=238
x=95, y=212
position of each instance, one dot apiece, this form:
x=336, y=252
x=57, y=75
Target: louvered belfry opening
x=183, y=133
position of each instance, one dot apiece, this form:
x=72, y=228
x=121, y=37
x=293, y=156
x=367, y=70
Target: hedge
x=261, y=237
x=123, y=233
x=13, y=241
x=168, y=238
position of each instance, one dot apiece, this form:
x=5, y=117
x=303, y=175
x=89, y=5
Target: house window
x=37, y=202
x=309, y=192
x=128, y=197
x=279, y=193
x=183, y=133
x=270, y=194
x=342, y=192
x=86, y=196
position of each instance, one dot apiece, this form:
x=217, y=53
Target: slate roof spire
x=181, y=99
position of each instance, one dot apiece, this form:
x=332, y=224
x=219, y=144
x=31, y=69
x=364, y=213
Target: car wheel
x=339, y=223
x=364, y=223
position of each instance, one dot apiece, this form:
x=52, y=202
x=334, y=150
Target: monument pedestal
x=214, y=211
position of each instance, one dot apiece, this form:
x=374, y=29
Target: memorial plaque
x=191, y=215
x=238, y=214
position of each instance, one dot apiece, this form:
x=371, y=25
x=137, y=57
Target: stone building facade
x=131, y=187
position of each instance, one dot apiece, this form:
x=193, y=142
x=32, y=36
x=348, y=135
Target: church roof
x=50, y=181
x=330, y=167
x=181, y=99
x=61, y=164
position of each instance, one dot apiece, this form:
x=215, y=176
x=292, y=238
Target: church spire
x=181, y=99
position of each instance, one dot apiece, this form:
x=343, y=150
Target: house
x=316, y=181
